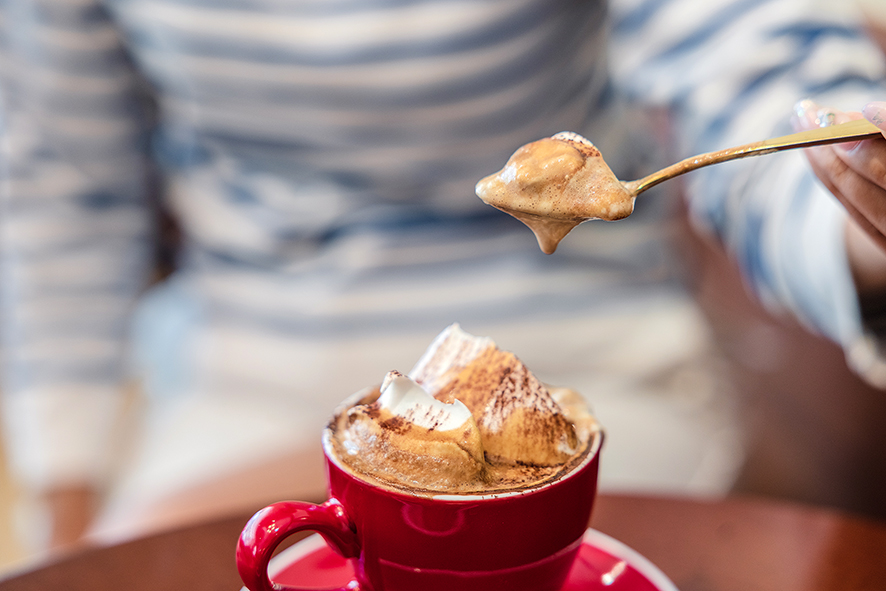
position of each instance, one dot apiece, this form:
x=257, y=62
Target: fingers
x=809, y=115
x=847, y=187
x=876, y=113
x=855, y=173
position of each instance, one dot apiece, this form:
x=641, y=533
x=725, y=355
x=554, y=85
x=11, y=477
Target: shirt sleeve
x=76, y=233
x=729, y=72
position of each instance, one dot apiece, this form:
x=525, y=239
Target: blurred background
x=811, y=428
x=13, y=552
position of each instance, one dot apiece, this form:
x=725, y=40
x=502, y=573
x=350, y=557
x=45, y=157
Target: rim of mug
x=328, y=450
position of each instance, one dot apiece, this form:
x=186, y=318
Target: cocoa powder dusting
x=395, y=424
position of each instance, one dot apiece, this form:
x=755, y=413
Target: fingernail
x=876, y=114
x=827, y=117
x=805, y=115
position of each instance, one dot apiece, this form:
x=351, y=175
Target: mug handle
x=271, y=525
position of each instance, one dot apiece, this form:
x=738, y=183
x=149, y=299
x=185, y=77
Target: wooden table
x=740, y=544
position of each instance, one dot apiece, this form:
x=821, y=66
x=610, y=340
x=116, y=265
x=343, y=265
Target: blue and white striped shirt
x=319, y=157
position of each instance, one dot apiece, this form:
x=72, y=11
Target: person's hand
x=71, y=510
x=856, y=174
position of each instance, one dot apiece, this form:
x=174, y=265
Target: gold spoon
x=845, y=132
x=556, y=183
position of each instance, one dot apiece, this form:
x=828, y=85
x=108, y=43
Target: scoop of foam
x=519, y=420
x=406, y=436
x=554, y=184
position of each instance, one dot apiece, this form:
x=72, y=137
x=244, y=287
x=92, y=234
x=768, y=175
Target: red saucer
x=603, y=564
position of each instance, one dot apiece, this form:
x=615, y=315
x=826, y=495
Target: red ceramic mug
x=516, y=541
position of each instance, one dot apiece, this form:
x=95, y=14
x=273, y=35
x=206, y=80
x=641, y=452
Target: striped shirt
x=319, y=157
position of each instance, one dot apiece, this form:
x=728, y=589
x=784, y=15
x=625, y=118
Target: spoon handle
x=845, y=132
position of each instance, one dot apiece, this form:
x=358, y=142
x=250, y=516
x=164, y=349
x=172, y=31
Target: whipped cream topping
x=405, y=399
x=469, y=418
x=447, y=354
x=407, y=437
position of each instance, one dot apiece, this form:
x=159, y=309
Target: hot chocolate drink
x=554, y=184
x=468, y=419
